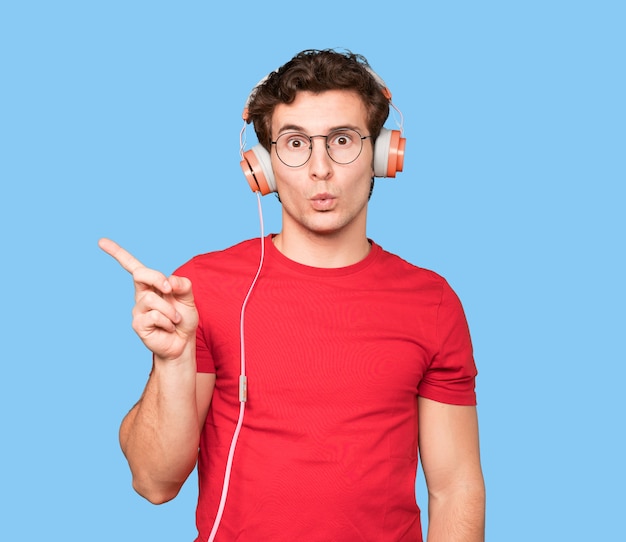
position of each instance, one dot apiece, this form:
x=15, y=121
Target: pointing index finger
x=123, y=257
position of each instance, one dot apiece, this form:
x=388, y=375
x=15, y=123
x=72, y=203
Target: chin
x=327, y=228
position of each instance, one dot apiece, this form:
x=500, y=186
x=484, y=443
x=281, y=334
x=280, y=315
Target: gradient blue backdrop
x=122, y=119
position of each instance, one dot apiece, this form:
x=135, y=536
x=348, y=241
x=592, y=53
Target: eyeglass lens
x=343, y=146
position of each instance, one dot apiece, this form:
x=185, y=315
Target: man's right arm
x=161, y=434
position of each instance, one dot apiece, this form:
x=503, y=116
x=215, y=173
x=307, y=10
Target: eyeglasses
x=343, y=146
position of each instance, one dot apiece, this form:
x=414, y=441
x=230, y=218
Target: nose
x=320, y=164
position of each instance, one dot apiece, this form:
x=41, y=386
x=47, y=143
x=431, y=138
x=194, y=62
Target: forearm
x=458, y=515
x=160, y=435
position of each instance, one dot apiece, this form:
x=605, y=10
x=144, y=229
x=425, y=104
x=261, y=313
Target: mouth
x=323, y=201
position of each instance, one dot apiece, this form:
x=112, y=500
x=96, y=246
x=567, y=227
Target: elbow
x=156, y=493
x=471, y=492
x=159, y=485
x=467, y=497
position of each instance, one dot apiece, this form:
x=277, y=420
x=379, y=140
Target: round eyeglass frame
x=310, y=138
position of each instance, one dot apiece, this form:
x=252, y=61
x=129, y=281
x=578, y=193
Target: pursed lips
x=323, y=201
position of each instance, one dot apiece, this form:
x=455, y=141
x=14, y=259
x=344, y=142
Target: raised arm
x=449, y=451
x=160, y=435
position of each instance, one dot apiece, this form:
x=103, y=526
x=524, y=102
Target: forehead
x=316, y=113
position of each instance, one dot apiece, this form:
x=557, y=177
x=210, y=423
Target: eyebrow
x=297, y=128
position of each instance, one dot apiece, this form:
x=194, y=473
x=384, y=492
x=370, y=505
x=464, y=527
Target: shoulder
x=230, y=258
x=222, y=275
x=397, y=268
x=417, y=285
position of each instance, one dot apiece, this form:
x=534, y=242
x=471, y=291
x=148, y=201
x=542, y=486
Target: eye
x=296, y=142
x=341, y=138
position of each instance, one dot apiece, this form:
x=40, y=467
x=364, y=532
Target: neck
x=324, y=251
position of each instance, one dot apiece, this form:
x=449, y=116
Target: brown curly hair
x=316, y=71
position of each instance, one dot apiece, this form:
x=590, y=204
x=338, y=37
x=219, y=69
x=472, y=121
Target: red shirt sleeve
x=450, y=377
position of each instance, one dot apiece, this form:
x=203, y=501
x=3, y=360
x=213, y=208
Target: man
x=348, y=359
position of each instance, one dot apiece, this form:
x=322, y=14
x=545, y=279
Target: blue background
x=122, y=119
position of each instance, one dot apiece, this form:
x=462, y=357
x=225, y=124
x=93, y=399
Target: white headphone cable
x=243, y=383
x=242, y=142
x=399, y=123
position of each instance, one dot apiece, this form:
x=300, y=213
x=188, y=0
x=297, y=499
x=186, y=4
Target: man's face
x=322, y=196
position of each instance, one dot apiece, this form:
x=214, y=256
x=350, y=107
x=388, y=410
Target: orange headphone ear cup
x=257, y=167
x=389, y=153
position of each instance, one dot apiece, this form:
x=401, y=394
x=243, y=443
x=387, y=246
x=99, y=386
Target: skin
x=161, y=433
x=449, y=452
x=324, y=211
x=324, y=204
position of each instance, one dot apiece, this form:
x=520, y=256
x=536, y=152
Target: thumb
x=182, y=289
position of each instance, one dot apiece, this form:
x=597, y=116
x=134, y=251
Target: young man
x=353, y=356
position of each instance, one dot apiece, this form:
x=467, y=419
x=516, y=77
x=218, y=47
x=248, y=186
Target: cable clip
x=243, y=388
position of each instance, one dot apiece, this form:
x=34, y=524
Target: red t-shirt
x=335, y=360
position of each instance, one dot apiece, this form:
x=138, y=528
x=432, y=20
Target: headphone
x=388, y=149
